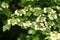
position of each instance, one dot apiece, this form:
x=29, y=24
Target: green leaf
x=48, y=37
x=6, y=27
x=37, y=13
x=35, y=38
x=7, y=12
x=57, y=2
x=28, y=13
x=28, y=37
x=23, y=1
x=21, y=37
x=46, y=32
x=31, y=31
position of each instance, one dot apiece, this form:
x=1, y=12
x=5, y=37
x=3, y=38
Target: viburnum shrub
x=34, y=19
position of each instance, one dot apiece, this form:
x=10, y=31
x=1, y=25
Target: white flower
x=54, y=35
x=49, y=23
x=31, y=9
x=5, y=5
x=41, y=18
x=53, y=11
x=59, y=14
x=37, y=27
x=42, y=24
x=44, y=10
x=13, y=21
x=52, y=15
x=59, y=35
x=33, y=23
x=18, y=20
x=1, y=9
x=28, y=8
x=20, y=12
x=36, y=9
x=27, y=24
x=40, y=27
x=57, y=7
x=47, y=10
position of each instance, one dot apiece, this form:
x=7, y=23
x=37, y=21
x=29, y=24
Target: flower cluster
x=41, y=18
x=13, y=21
x=42, y=21
x=48, y=24
x=54, y=35
x=35, y=18
x=40, y=27
x=52, y=15
x=20, y=12
x=27, y=24
x=37, y=11
x=5, y=5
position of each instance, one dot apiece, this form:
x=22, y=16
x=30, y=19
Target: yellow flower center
x=5, y=4
x=20, y=11
x=36, y=10
x=13, y=20
x=55, y=34
x=41, y=18
x=39, y=26
x=53, y=15
x=48, y=10
x=49, y=23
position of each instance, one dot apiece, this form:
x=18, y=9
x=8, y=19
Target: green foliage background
x=16, y=32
